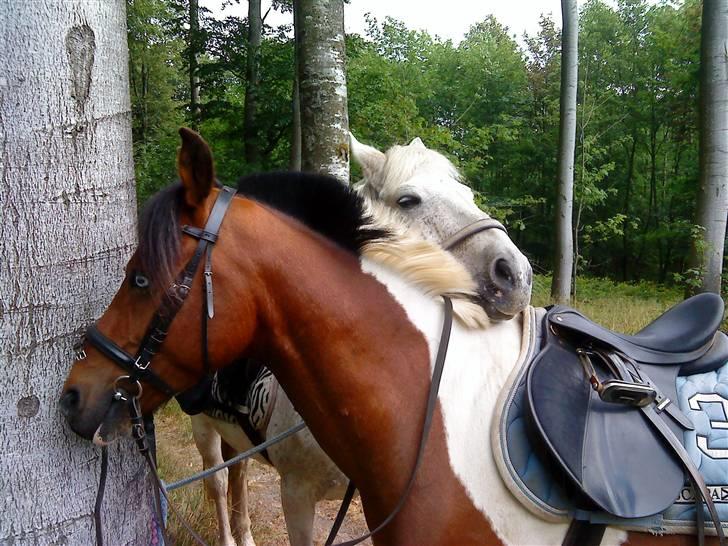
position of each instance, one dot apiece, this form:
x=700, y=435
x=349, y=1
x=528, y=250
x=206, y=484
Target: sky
x=451, y=22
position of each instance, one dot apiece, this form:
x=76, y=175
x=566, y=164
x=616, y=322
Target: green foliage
x=155, y=87
x=490, y=104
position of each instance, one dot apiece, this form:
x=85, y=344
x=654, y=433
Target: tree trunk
x=713, y=187
x=69, y=208
x=252, y=82
x=561, y=285
x=294, y=163
x=194, y=46
x=322, y=87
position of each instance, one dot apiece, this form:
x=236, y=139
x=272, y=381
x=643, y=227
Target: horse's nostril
x=69, y=402
x=503, y=274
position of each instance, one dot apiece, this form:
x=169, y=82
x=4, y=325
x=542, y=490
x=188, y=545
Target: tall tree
x=294, y=161
x=67, y=188
x=322, y=87
x=252, y=82
x=713, y=187
x=564, y=250
x=193, y=49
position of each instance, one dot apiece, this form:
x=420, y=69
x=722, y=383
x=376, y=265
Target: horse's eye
x=139, y=281
x=408, y=201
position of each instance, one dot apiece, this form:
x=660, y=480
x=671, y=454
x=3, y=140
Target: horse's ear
x=417, y=143
x=195, y=167
x=369, y=159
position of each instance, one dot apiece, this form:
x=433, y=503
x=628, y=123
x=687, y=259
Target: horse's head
x=126, y=350
x=425, y=188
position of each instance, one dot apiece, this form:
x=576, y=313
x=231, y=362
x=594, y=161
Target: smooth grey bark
x=322, y=87
x=194, y=46
x=564, y=259
x=252, y=82
x=713, y=186
x=294, y=162
x=68, y=225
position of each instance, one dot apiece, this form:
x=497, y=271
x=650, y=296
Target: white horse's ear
x=417, y=143
x=369, y=158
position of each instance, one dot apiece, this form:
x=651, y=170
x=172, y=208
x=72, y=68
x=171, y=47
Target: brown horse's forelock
x=159, y=236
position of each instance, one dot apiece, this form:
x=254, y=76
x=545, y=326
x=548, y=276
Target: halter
x=470, y=230
x=138, y=366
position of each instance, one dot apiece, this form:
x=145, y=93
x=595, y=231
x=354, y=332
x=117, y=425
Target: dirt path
x=178, y=458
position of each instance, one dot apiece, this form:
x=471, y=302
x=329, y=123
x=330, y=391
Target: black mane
x=322, y=203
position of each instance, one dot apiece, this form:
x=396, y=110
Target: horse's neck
x=356, y=365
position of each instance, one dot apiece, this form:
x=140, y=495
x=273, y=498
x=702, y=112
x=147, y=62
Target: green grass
x=178, y=458
x=624, y=307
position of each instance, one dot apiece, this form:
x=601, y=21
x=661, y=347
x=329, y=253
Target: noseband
x=137, y=366
x=470, y=230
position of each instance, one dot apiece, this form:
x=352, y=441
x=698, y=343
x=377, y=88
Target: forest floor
x=178, y=458
x=622, y=307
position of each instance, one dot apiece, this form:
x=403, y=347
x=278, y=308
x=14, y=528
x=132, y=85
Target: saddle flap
x=609, y=452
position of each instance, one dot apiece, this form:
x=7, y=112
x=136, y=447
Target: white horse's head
x=425, y=188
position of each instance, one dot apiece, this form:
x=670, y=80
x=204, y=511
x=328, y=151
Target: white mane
x=423, y=263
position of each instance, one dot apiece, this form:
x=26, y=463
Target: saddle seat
x=613, y=456
x=683, y=334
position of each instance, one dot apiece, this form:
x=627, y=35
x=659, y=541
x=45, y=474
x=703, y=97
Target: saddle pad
x=702, y=397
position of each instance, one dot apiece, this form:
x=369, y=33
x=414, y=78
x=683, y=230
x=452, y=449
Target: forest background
x=490, y=103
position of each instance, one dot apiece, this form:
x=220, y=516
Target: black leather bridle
x=138, y=366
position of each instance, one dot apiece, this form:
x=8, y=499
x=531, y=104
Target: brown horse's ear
x=195, y=167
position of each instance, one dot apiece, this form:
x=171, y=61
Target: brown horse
x=344, y=310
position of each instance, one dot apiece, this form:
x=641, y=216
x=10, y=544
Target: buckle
x=139, y=366
x=616, y=391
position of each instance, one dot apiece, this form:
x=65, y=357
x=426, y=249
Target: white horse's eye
x=408, y=201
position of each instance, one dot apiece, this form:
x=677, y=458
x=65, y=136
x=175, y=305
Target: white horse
x=425, y=189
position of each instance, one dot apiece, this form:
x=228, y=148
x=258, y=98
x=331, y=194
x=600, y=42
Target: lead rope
x=429, y=412
x=100, y=496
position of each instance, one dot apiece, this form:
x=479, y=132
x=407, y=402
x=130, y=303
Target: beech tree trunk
x=322, y=87
x=713, y=187
x=194, y=46
x=294, y=162
x=252, y=82
x=68, y=225
x=564, y=260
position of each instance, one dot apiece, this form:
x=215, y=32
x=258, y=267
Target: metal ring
x=119, y=393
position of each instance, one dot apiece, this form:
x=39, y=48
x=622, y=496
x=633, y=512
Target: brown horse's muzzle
x=98, y=418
